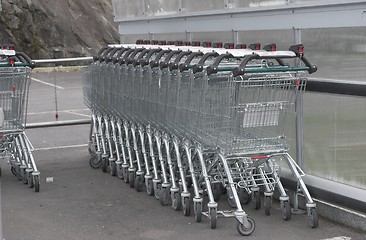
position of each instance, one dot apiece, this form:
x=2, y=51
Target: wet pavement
x=78, y=202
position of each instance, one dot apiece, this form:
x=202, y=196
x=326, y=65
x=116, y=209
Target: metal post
x=235, y=37
x=226, y=4
x=299, y=128
x=189, y=36
x=180, y=6
x=142, y=9
x=151, y=36
x=299, y=113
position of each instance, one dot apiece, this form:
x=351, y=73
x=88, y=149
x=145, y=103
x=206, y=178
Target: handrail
x=334, y=86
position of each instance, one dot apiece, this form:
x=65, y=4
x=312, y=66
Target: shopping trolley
x=211, y=118
x=15, y=71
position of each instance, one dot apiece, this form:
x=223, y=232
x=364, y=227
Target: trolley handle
x=123, y=59
x=174, y=65
x=298, y=49
x=131, y=58
x=165, y=63
x=142, y=54
x=184, y=66
x=312, y=67
x=214, y=67
x=25, y=59
x=105, y=53
x=272, y=48
x=199, y=66
x=241, y=69
x=108, y=58
x=145, y=61
x=155, y=63
x=116, y=58
x=255, y=46
x=100, y=52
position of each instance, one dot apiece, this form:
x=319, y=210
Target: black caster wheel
x=176, y=201
x=213, y=217
x=36, y=183
x=149, y=186
x=267, y=205
x=285, y=210
x=186, y=204
x=113, y=168
x=138, y=183
x=256, y=200
x=246, y=231
x=164, y=196
x=131, y=178
x=104, y=164
x=313, y=218
x=197, y=211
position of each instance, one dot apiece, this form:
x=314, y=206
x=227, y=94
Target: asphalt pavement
x=77, y=202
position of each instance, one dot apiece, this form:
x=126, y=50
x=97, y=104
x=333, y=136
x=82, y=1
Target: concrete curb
x=335, y=213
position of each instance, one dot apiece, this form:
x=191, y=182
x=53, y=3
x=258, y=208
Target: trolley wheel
x=36, y=183
x=16, y=172
x=213, y=217
x=186, y=204
x=176, y=201
x=157, y=187
x=138, y=183
x=119, y=171
x=313, y=218
x=216, y=191
x=30, y=180
x=223, y=190
x=95, y=161
x=246, y=231
x=13, y=171
x=113, y=168
x=104, y=164
x=267, y=205
x=244, y=196
x=164, y=196
x=126, y=174
x=149, y=186
x=131, y=178
x=91, y=148
x=24, y=176
x=231, y=201
x=286, y=210
x=197, y=211
x=256, y=200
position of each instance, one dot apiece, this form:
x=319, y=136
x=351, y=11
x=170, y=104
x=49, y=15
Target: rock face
x=57, y=28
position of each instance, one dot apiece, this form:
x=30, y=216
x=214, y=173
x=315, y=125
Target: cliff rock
x=57, y=28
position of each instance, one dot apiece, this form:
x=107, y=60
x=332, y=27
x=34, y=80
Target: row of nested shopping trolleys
x=166, y=118
x=15, y=147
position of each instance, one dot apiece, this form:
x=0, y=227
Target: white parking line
x=46, y=83
x=338, y=238
x=63, y=111
x=61, y=147
x=80, y=114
